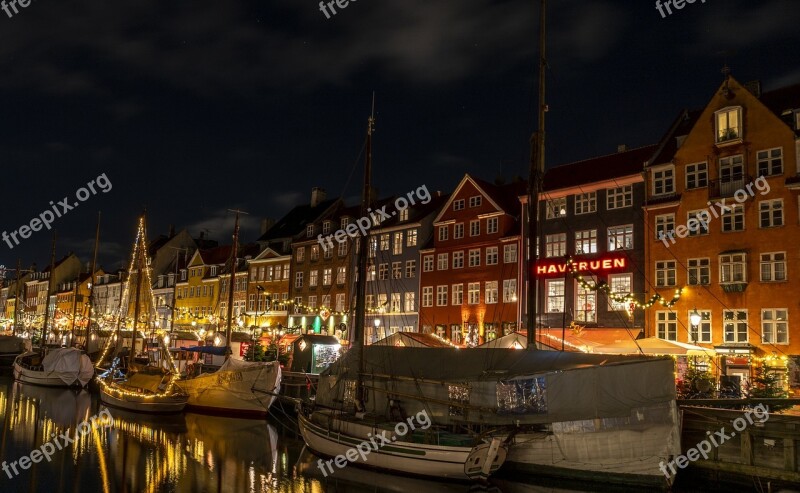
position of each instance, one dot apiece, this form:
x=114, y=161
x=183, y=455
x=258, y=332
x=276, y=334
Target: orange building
x=721, y=218
x=470, y=271
x=268, y=289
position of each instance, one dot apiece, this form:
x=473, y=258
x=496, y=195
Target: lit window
x=474, y=293
x=735, y=325
x=509, y=254
x=441, y=261
x=586, y=241
x=775, y=325
x=555, y=245
x=427, y=296
x=586, y=303
x=411, y=268
x=397, y=243
x=490, y=294
x=556, y=208
x=411, y=238
x=620, y=285
x=729, y=124
x=620, y=238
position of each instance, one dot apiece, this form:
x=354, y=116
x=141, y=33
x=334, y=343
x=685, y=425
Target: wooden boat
x=144, y=390
x=60, y=367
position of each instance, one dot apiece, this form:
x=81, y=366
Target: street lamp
x=695, y=319
x=377, y=323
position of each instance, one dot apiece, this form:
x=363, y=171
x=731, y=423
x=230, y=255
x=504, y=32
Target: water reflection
x=188, y=453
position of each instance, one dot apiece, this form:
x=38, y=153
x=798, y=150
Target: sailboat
x=53, y=367
x=144, y=388
x=238, y=387
x=414, y=448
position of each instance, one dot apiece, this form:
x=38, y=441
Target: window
x=701, y=333
x=427, y=296
x=491, y=225
x=733, y=268
x=443, y=231
x=397, y=270
x=475, y=227
x=385, y=242
x=312, y=303
x=458, y=260
x=667, y=325
x=340, y=302
x=775, y=325
x=728, y=124
x=397, y=243
x=490, y=293
x=509, y=291
x=663, y=181
x=555, y=245
x=410, y=301
x=427, y=263
x=697, y=222
x=665, y=225
x=665, y=273
x=441, y=295
x=341, y=275
x=411, y=268
x=555, y=295
x=297, y=302
x=617, y=198
x=394, y=304
x=373, y=246
x=770, y=162
x=696, y=175
x=620, y=238
x=314, y=252
x=313, y=276
x=556, y=208
x=278, y=272
x=253, y=277
x=735, y=325
x=298, y=280
x=586, y=241
x=344, y=222
x=621, y=285
x=458, y=295
x=404, y=215
x=699, y=271
x=310, y=230
x=458, y=231
x=509, y=254
x=474, y=293
x=458, y=204
x=731, y=170
x=770, y=213
x=342, y=249
x=585, y=303
x=773, y=266
x=326, y=227
x=585, y=203
x=301, y=254
x=441, y=261
x=491, y=255
x=733, y=220
x=371, y=272
x=383, y=272
x=327, y=275
x=411, y=238
x=475, y=258
x=475, y=201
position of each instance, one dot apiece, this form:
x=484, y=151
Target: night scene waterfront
x=485, y=245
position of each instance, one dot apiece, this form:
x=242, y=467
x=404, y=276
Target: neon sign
x=600, y=265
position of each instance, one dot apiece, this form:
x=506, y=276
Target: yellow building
x=197, y=291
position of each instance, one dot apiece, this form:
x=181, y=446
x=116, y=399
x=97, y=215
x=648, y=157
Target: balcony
x=723, y=188
x=733, y=287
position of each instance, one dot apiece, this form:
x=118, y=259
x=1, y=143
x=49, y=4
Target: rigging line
x=705, y=286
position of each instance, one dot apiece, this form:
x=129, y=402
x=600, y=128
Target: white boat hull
x=144, y=404
x=250, y=390
x=44, y=378
x=406, y=457
x=77, y=372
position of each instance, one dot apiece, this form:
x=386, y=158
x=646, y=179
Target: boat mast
x=139, y=253
x=92, y=281
x=16, y=298
x=534, y=187
x=230, y=285
x=361, y=284
x=49, y=287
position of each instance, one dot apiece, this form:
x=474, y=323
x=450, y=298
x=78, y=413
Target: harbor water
x=183, y=453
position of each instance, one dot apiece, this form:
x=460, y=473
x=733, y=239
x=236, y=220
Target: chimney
x=266, y=224
x=622, y=148
x=754, y=86
x=171, y=231
x=317, y=196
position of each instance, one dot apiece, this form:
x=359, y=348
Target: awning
x=586, y=339
x=654, y=345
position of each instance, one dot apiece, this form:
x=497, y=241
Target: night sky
x=193, y=108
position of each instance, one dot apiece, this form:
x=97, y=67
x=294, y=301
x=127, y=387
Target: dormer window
x=310, y=230
x=404, y=215
x=213, y=270
x=326, y=227
x=345, y=222
x=729, y=124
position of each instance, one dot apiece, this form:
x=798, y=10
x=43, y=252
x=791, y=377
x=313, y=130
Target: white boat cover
x=69, y=364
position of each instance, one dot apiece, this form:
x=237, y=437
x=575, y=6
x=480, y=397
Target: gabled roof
x=781, y=100
x=596, y=169
x=502, y=197
x=668, y=145
x=295, y=221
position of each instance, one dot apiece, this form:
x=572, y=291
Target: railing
x=727, y=187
